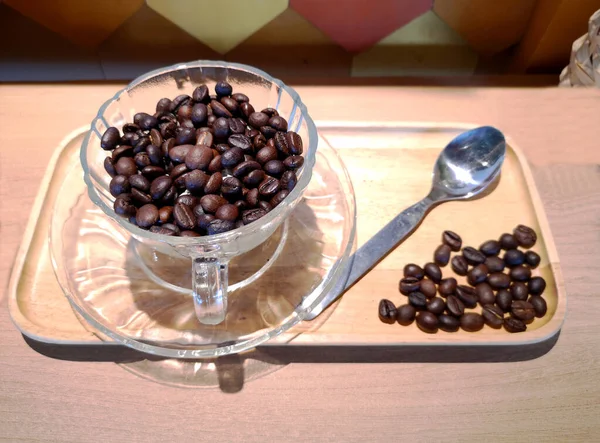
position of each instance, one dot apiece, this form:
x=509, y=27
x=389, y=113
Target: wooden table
x=368, y=395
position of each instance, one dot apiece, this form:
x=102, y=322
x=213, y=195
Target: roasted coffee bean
x=232, y=157
x=179, y=101
x=294, y=143
x=188, y=200
x=525, y=236
x=279, y=197
x=504, y=299
x=427, y=322
x=122, y=151
x=119, y=185
x=265, y=205
x=130, y=127
x=184, y=113
x=126, y=166
x=252, y=198
x=448, y=323
x=141, y=144
x=258, y=142
x=417, y=299
x=147, y=122
x=258, y=119
x=161, y=230
x=485, y=294
x=203, y=220
x=508, y=241
x=266, y=154
x=184, y=216
x=490, y=247
x=231, y=188
x=274, y=168
x=215, y=164
x=210, y=203
x=279, y=123
x=532, y=259
x=519, y=291
x=168, y=198
x=428, y=288
x=227, y=212
x=452, y=239
x=293, y=162
x=436, y=305
x=245, y=168
x=151, y=172
x=140, y=198
x=246, y=110
x=477, y=275
x=200, y=94
x=498, y=280
x=251, y=215
x=167, y=146
x=147, y=216
x=406, y=314
x=239, y=97
x=387, y=311
x=178, y=153
x=514, y=257
x=221, y=128
x=219, y=110
x=539, y=305
x=242, y=142
x=173, y=227
x=198, y=209
x=288, y=180
x=447, y=286
x=223, y=88
x=237, y=126
x=231, y=105
x=210, y=119
x=163, y=105
x=186, y=136
x=110, y=139
x=493, y=316
x=199, y=114
x=270, y=112
x=198, y=157
x=220, y=226
x=165, y=214
x=160, y=186
x=455, y=306
x=433, y=271
x=155, y=137
x=241, y=205
x=512, y=324
x=442, y=255
x=168, y=130
x=473, y=256
x=189, y=234
x=522, y=310
x=123, y=205
x=536, y=286
x=408, y=285
x=282, y=143
x=254, y=178
x=412, y=270
x=494, y=264
x=178, y=171
x=268, y=188
x=459, y=265
x=520, y=273
x=205, y=138
x=129, y=139
x=213, y=185
x=471, y=322
x=109, y=167
x=467, y=295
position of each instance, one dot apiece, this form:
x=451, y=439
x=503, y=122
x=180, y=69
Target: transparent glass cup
x=210, y=255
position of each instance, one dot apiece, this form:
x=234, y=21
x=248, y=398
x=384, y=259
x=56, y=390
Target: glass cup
x=210, y=255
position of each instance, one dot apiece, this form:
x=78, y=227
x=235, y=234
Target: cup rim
x=270, y=217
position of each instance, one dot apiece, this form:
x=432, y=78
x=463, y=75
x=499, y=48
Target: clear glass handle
x=209, y=286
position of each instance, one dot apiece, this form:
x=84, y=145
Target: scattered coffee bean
x=227, y=212
x=455, y=306
x=536, y=285
x=520, y=273
x=252, y=215
x=220, y=226
x=498, y=280
x=485, y=294
x=477, y=275
x=513, y=325
x=387, y=311
x=522, y=310
x=508, y=241
x=433, y=271
x=119, y=185
x=448, y=323
x=412, y=270
x=532, y=259
x=493, y=316
x=428, y=288
x=519, y=291
x=504, y=299
x=471, y=322
x=539, y=305
x=184, y=216
x=514, y=257
x=459, y=265
x=165, y=215
x=441, y=256
x=447, y=286
x=409, y=284
x=110, y=139
x=427, y=322
x=494, y=264
x=452, y=239
x=406, y=314
x=467, y=295
x=124, y=206
x=473, y=256
x=147, y=216
x=417, y=299
x=490, y=247
x=436, y=305
x=525, y=236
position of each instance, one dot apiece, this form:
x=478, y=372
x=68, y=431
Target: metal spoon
x=464, y=169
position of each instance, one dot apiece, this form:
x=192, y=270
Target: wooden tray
x=390, y=165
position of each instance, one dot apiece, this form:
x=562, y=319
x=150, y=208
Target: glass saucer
x=143, y=300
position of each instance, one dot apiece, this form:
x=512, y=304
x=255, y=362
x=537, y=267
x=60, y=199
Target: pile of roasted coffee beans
x=201, y=164
x=500, y=281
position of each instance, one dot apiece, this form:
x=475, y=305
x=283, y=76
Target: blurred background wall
x=64, y=40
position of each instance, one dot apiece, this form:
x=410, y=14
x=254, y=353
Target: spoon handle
x=369, y=254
